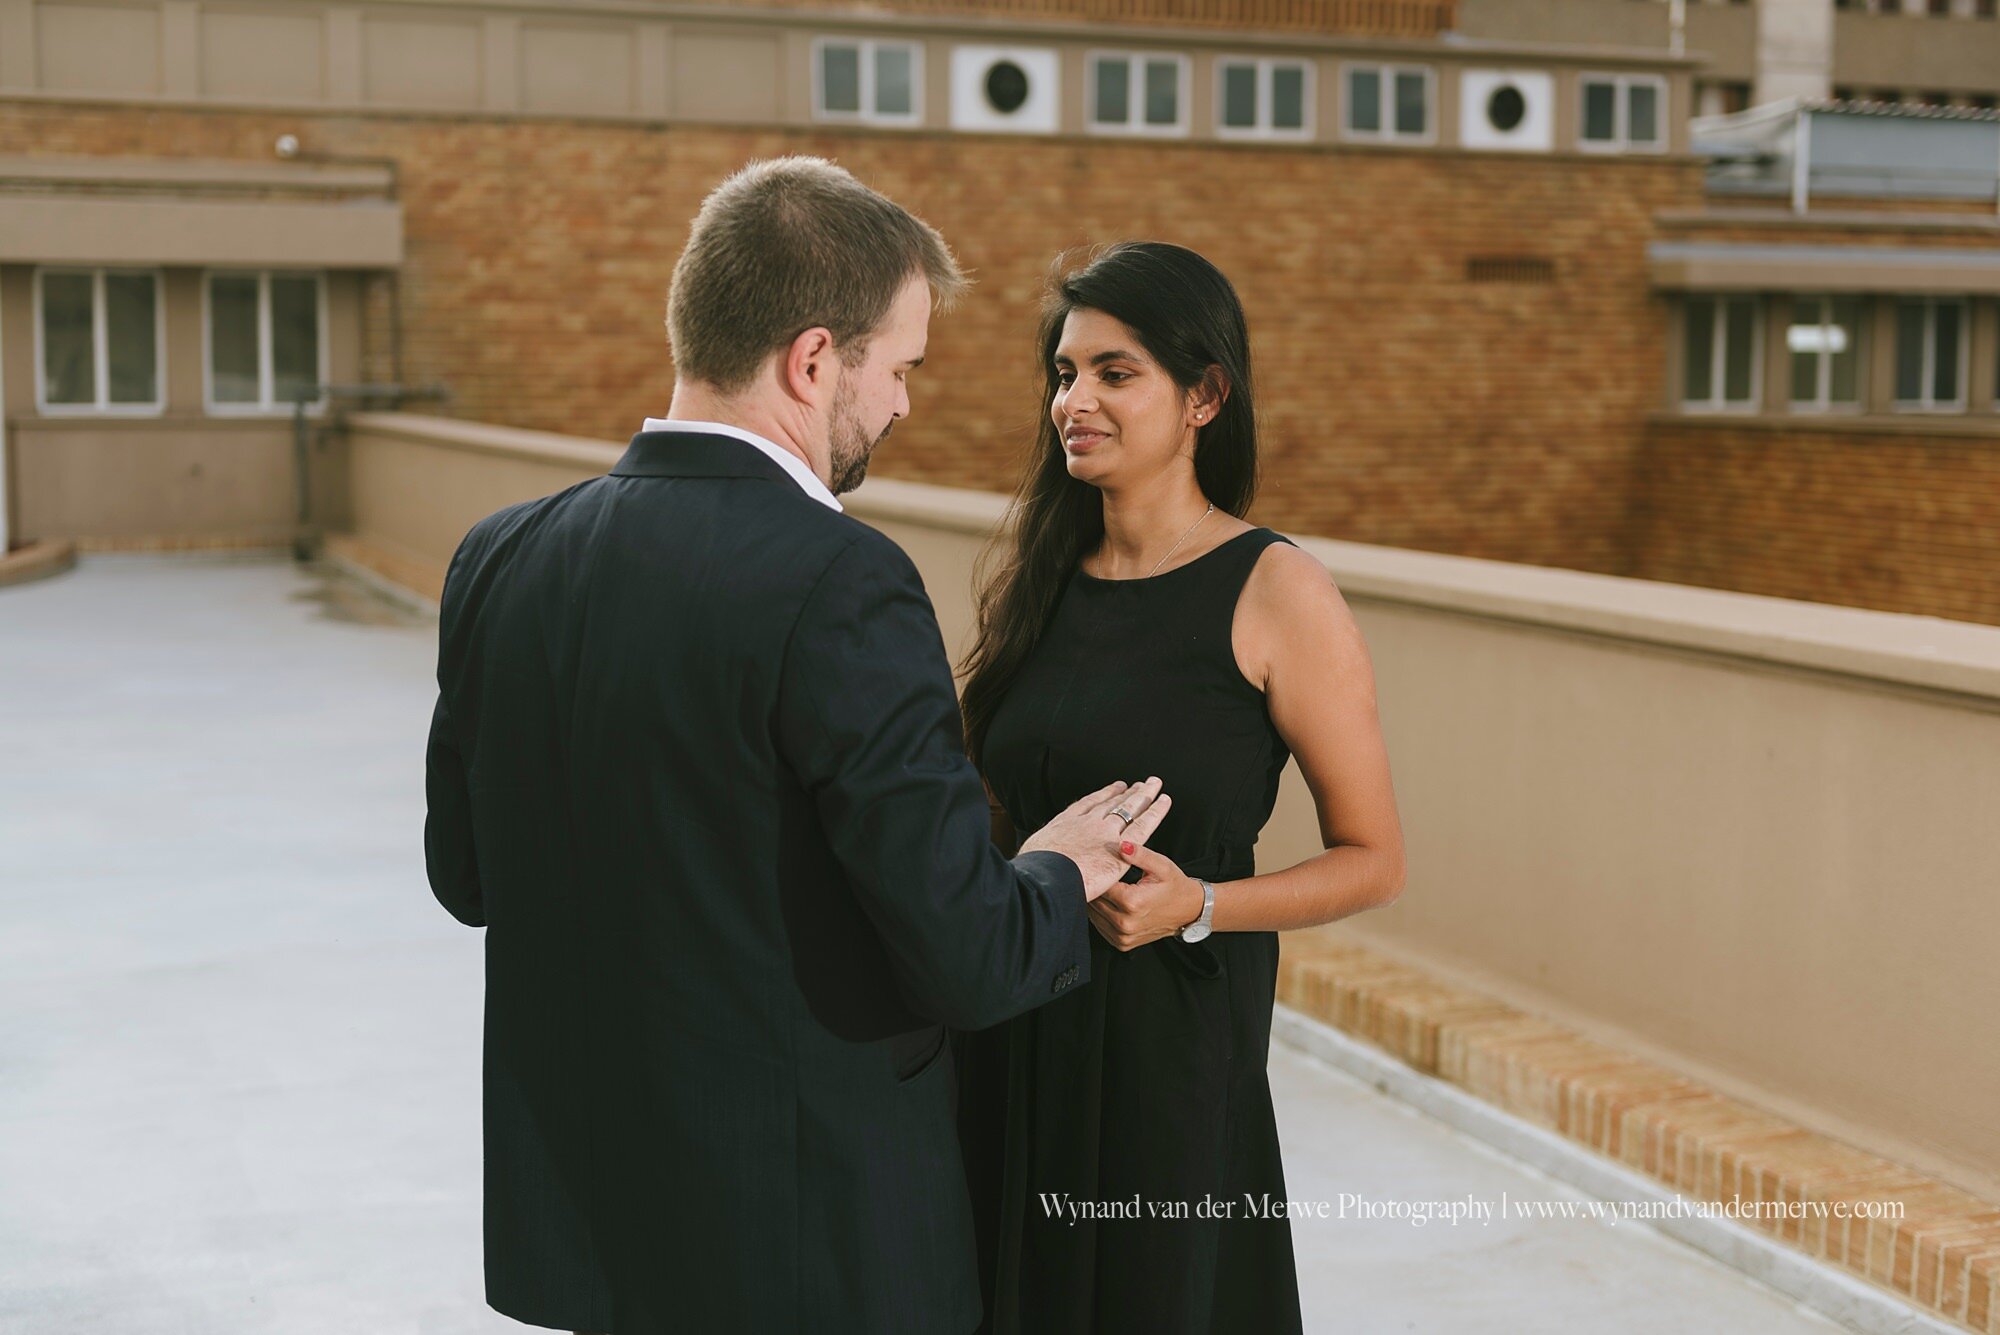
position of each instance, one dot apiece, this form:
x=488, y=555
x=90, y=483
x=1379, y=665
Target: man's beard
x=848, y=443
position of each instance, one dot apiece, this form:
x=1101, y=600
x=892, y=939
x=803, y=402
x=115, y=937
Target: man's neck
x=699, y=403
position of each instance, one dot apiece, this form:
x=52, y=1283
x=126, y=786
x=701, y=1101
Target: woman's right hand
x=1156, y=906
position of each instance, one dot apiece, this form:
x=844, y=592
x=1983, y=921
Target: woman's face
x=1119, y=415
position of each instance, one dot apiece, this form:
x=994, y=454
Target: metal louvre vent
x=1510, y=269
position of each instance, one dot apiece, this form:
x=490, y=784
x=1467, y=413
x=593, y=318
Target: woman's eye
x=1063, y=378
x=1113, y=377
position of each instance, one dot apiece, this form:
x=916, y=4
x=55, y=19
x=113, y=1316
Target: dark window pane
x=1239, y=96
x=1114, y=92
x=294, y=338
x=131, y=355
x=894, y=94
x=232, y=337
x=840, y=78
x=1642, y=121
x=1600, y=112
x=1698, y=351
x=1844, y=381
x=1410, y=107
x=1739, y=349
x=1806, y=340
x=1944, y=370
x=1288, y=98
x=1163, y=92
x=1909, y=350
x=1805, y=377
x=1364, y=100
x=69, y=361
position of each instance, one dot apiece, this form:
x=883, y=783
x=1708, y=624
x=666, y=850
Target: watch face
x=1194, y=931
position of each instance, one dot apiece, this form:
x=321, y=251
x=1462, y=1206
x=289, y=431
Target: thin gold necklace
x=1181, y=539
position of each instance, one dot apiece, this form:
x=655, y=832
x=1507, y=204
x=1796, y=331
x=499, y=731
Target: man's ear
x=806, y=366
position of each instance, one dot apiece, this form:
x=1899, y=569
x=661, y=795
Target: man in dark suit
x=696, y=767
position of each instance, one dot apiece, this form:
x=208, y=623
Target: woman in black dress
x=1120, y=1143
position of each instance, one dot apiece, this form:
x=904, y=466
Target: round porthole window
x=1006, y=87
x=1506, y=107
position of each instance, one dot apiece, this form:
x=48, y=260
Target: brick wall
x=1900, y=522
x=1402, y=403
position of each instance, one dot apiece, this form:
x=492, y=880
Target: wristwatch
x=1199, y=929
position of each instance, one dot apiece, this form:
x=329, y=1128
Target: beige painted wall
x=1748, y=837
x=180, y=474
x=1905, y=53
x=730, y=65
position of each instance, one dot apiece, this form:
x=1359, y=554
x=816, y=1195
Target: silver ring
x=1122, y=814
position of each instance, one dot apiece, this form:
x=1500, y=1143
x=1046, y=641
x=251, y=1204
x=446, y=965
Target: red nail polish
x=1126, y=848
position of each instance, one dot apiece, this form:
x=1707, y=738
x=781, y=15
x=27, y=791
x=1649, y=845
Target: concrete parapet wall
x=1745, y=837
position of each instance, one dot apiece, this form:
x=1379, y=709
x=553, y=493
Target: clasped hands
x=1095, y=833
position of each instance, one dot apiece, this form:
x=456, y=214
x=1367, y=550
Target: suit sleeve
x=448, y=850
x=448, y=845
x=868, y=721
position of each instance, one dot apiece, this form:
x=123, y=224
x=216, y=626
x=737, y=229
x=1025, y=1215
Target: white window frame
x=866, y=48
x=100, y=347
x=1265, y=67
x=1927, y=404
x=1135, y=94
x=1621, y=140
x=1822, y=402
x=1718, y=369
x=266, y=375
x=1386, y=111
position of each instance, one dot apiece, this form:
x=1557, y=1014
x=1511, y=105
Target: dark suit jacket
x=696, y=767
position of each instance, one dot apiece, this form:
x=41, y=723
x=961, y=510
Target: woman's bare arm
x=1296, y=638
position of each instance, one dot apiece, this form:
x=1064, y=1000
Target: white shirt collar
x=808, y=481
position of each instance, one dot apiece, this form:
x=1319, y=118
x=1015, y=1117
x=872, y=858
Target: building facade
x=1940, y=53
x=1471, y=331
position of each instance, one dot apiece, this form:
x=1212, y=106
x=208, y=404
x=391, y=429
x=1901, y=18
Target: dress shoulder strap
x=1231, y=563
x=1205, y=603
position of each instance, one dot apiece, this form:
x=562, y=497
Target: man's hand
x=1089, y=831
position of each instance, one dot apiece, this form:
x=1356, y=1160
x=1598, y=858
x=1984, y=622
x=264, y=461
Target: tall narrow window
x=1265, y=99
x=1622, y=112
x=265, y=344
x=1930, y=354
x=1824, y=342
x=1719, y=354
x=100, y=340
x=1387, y=102
x=1138, y=94
x=1412, y=92
x=860, y=79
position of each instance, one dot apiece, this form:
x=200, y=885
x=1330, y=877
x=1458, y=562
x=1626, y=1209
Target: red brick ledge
x=1943, y=1255
x=37, y=560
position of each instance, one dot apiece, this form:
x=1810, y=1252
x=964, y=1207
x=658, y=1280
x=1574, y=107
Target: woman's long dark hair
x=1188, y=318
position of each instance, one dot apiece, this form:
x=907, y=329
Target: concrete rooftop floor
x=239, y=1042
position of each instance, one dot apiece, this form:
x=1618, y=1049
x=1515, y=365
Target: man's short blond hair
x=790, y=244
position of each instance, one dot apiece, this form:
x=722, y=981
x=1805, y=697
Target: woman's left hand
x=1157, y=905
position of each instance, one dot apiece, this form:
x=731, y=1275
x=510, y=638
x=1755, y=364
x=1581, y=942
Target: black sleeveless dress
x=1141, y=1098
